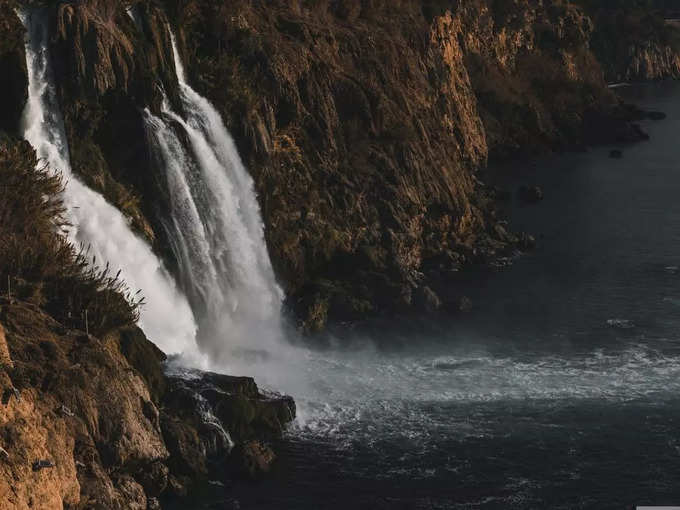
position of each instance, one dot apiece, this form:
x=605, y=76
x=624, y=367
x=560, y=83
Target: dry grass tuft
x=42, y=266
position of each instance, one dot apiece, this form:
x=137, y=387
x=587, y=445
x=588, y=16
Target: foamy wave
x=359, y=398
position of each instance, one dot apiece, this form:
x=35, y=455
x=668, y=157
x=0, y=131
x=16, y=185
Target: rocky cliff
x=363, y=124
x=91, y=420
x=636, y=43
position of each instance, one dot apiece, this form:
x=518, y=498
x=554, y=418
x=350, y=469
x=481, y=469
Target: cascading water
x=166, y=317
x=216, y=229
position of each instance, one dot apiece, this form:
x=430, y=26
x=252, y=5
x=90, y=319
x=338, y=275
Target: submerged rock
x=656, y=115
x=616, y=154
x=428, y=299
x=621, y=323
x=252, y=459
x=465, y=304
x=530, y=194
x=526, y=242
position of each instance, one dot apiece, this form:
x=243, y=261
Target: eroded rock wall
x=636, y=43
x=362, y=122
x=112, y=59
x=13, y=78
x=112, y=431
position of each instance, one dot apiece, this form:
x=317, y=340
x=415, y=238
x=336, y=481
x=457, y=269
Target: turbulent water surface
x=560, y=390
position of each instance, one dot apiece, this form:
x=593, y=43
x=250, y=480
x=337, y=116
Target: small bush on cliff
x=42, y=266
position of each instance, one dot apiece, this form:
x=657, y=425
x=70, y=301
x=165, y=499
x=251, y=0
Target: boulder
x=464, y=304
x=252, y=459
x=204, y=415
x=154, y=478
x=616, y=154
x=428, y=299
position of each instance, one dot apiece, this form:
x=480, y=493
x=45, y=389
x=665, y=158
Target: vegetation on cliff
x=37, y=262
x=364, y=126
x=633, y=40
x=91, y=420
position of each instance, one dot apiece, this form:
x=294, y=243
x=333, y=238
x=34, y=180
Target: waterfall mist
x=166, y=318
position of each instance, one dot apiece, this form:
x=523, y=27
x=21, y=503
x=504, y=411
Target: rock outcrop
x=92, y=420
x=110, y=438
x=635, y=43
x=108, y=68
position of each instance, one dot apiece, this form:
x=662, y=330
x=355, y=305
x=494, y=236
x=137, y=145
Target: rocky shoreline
x=91, y=422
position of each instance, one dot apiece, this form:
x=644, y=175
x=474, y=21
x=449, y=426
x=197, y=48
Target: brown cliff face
x=634, y=44
x=103, y=428
x=533, y=74
x=13, y=78
x=108, y=69
x=92, y=421
x=651, y=62
x=112, y=438
x=360, y=126
x=363, y=125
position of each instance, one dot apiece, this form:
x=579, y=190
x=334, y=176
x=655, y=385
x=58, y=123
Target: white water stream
x=216, y=230
x=166, y=317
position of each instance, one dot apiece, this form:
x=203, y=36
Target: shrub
x=38, y=259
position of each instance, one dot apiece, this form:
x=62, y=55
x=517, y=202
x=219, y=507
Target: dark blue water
x=561, y=389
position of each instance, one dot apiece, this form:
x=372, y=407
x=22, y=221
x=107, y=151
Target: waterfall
x=216, y=229
x=166, y=318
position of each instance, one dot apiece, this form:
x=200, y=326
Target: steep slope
x=636, y=42
x=91, y=420
x=362, y=123
x=107, y=68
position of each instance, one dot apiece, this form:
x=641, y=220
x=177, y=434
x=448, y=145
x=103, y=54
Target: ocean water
x=561, y=389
